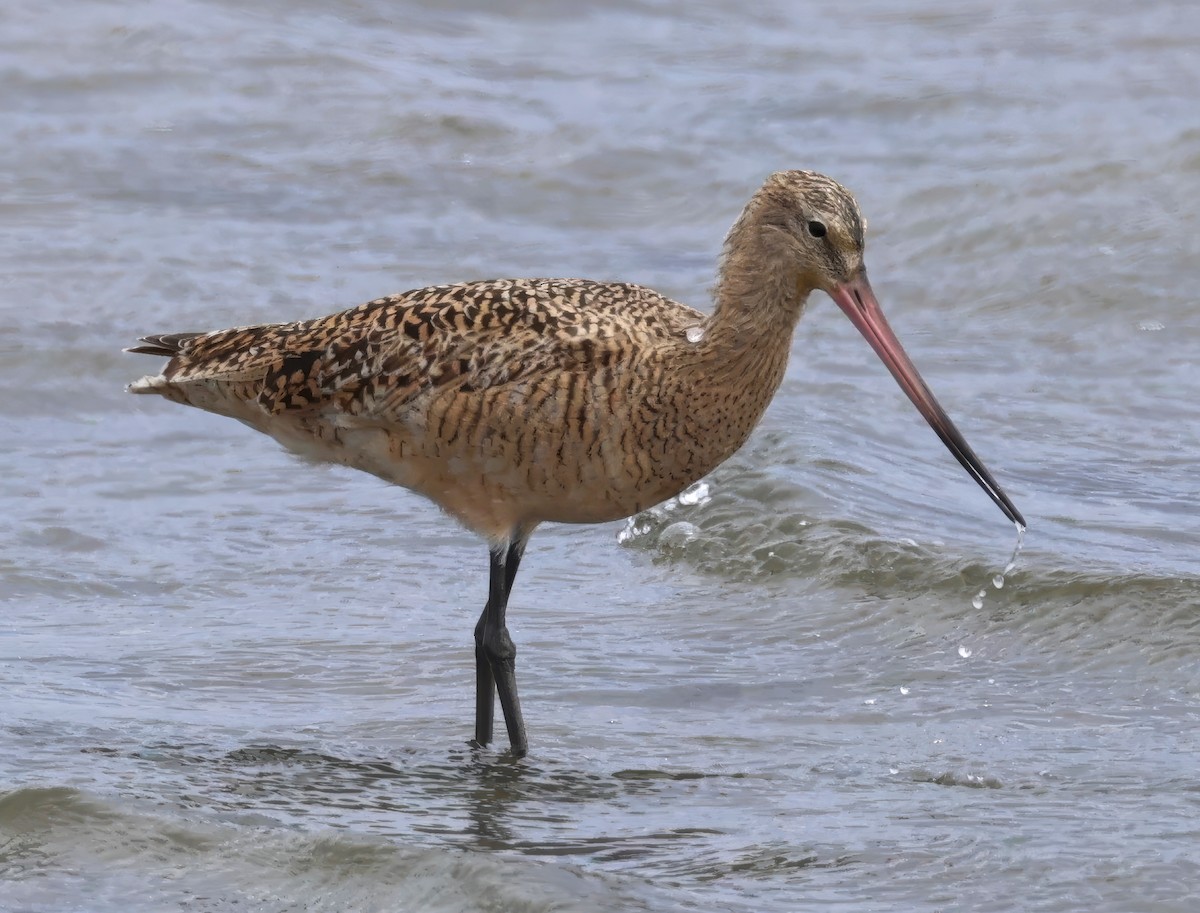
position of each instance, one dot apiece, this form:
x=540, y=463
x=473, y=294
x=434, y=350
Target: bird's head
x=803, y=231
x=817, y=222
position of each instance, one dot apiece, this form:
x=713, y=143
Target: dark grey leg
x=495, y=654
x=485, y=684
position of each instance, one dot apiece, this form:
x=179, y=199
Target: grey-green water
x=234, y=681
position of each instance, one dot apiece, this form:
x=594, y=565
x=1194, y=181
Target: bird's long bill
x=858, y=301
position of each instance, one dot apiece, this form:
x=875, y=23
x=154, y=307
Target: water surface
x=236, y=681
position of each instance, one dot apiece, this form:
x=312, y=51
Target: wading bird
x=510, y=403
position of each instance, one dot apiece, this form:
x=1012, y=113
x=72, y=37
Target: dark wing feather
x=373, y=359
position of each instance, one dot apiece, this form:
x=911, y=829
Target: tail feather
x=149, y=384
x=168, y=344
x=216, y=371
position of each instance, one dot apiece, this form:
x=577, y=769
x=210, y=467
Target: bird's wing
x=372, y=360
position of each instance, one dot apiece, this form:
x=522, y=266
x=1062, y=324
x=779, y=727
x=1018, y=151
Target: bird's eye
x=816, y=229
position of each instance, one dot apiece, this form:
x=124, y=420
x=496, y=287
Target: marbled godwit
x=510, y=403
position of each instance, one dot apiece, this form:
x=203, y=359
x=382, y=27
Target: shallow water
x=236, y=681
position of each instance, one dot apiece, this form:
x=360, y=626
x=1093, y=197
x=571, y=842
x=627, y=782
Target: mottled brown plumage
x=514, y=402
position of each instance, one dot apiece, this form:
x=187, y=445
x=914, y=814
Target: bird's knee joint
x=498, y=646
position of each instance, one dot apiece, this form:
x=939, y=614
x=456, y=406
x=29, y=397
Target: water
x=235, y=681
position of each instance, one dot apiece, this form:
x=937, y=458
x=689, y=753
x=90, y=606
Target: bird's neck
x=759, y=299
x=731, y=371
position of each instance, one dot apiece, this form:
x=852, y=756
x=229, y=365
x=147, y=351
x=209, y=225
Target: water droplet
x=998, y=579
x=677, y=535
x=965, y=651
x=697, y=494
x=694, y=334
x=903, y=689
x=1020, y=542
x=632, y=530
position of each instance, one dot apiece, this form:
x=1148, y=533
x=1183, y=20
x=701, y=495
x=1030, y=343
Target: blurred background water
x=235, y=681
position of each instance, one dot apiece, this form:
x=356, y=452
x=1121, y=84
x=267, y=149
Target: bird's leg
x=504, y=666
x=495, y=654
x=485, y=684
